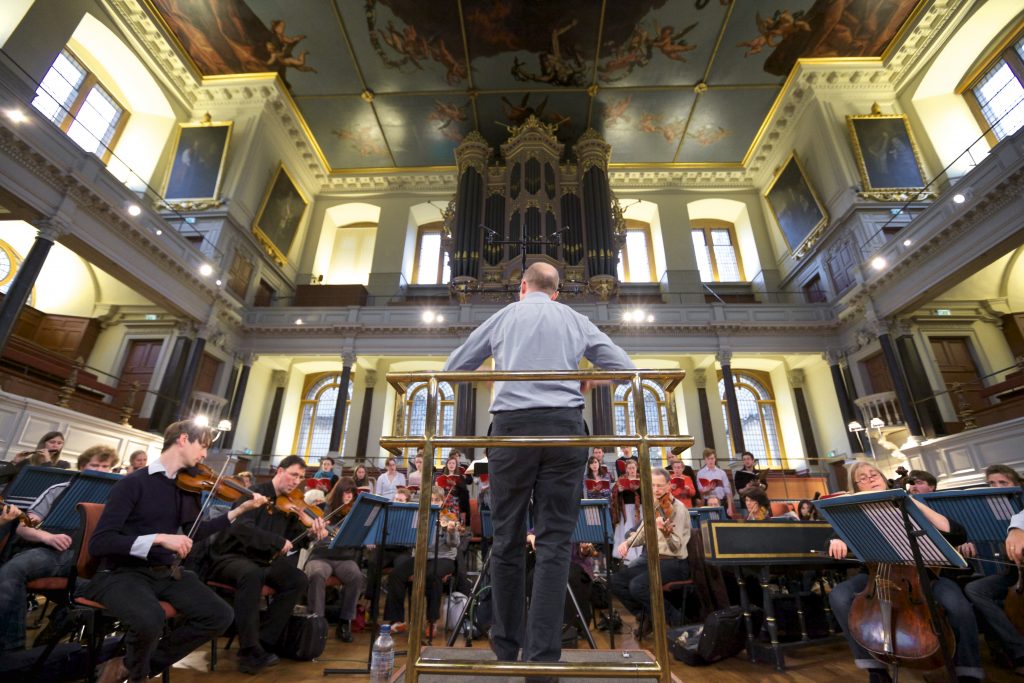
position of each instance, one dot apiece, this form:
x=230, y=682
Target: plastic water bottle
x=382, y=663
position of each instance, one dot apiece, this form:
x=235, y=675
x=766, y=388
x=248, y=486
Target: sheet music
x=372, y=516
x=1001, y=508
x=592, y=516
x=888, y=520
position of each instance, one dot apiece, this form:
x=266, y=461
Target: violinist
x=325, y=562
x=39, y=553
x=759, y=508
x=136, y=541
x=866, y=477
x=626, y=508
x=258, y=551
x=398, y=580
x=987, y=594
x=631, y=584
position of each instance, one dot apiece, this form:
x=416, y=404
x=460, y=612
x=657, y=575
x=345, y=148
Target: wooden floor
x=830, y=662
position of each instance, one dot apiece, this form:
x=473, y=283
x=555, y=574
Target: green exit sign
x=943, y=312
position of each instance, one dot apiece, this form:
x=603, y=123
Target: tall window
x=714, y=242
x=431, y=266
x=655, y=410
x=636, y=260
x=73, y=98
x=997, y=96
x=316, y=416
x=759, y=419
x=413, y=416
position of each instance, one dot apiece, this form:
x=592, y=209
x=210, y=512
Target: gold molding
x=884, y=193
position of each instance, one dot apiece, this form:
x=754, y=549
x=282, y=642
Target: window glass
x=999, y=92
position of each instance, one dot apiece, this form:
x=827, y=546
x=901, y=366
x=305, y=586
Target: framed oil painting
x=280, y=214
x=887, y=155
x=200, y=150
x=799, y=214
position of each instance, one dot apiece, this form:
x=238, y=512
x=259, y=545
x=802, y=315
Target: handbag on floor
x=304, y=638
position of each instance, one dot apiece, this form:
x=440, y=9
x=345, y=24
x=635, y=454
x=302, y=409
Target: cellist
x=959, y=613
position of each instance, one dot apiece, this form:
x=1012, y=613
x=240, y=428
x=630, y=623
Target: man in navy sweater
x=137, y=540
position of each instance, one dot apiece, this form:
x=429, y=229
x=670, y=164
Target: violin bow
x=176, y=566
x=326, y=518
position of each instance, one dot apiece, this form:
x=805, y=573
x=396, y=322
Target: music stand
x=594, y=525
x=884, y=527
x=985, y=515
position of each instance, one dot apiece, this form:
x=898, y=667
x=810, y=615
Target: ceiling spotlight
x=959, y=198
x=159, y=232
x=206, y=270
x=298, y=321
x=16, y=115
x=134, y=209
x=628, y=316
x=201, y=421
x=439, y=318
x=650, y=317
x=907, y=243
x=878, y=263
x=218, y=283
x=639, y=315
x=428, y=316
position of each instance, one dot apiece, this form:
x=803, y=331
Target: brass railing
x=640, y=439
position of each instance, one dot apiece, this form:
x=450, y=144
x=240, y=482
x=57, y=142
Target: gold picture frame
x=197, y=165
x=278, y=219
x=798, y=212
x=887, y=156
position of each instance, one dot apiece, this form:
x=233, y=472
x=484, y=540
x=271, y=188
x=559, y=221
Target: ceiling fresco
x=399, y=83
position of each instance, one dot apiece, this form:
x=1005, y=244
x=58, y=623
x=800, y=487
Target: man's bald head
x=541, y=277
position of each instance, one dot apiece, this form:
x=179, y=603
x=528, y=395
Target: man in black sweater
x=137, y=540
x=257, y=551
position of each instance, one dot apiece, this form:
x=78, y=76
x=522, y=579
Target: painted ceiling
x=399, y=83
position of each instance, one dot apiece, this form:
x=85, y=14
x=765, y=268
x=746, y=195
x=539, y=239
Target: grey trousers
x=352, y=582
x=554, y=479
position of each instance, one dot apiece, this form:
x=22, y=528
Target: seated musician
x=398, y=580
x=713, y=482
x=683, y=486
x=38, y=553
x=626, y=509
x=919, y=481
x=987, y=594
x=389, y=480
x=757, y=504
x=748, y=475
x=630, y=584
x=256, y=552
x=806, y=512
x=597, y=472
x=624, y=459
x=245, y=478
x=325, y=562
x=326, y=471
x=967, y=659
x=136, y=542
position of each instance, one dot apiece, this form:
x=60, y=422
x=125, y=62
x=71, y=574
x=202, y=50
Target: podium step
x=465, y=654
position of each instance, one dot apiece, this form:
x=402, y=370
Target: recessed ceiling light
x=134, y=209
x=439, y=318
x=159, y=232
x=907, y=243
x=878, y=263
x=650, y=318
x=206, y=270
x=298, y=321
x=428, y=316
x=959, y=198
x=219, y=283
x=16, y=115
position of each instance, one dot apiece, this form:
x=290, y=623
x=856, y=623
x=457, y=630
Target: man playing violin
x=257, y=552
x=137, y=540
x=631, y=584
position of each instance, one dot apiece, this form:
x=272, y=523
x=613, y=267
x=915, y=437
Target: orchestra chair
x=780, y=508
x=227, y=591
x=93, y=615
x=677, y=592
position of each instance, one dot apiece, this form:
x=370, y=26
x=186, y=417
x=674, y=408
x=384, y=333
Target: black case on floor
x=722, y=635
x=304, y=638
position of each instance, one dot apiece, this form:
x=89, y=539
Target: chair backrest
x=85, y=564
x=32, y=481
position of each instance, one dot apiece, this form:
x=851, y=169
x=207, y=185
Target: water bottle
x=382, y=663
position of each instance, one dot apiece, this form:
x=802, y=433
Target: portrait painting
x=798, y=213
x=886, y=153
x=198, y=163
x=280, y=214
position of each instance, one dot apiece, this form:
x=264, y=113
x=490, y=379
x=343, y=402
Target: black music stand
x=985, y=515
x=866, y=523
x=594, y=525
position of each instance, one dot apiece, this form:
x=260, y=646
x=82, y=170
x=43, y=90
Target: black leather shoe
x=344, y=632
x=255, y=662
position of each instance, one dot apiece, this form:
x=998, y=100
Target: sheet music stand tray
x=885, y=527
x=985, y=515
x=594, y=525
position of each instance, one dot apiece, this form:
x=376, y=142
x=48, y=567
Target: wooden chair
x=227, y=591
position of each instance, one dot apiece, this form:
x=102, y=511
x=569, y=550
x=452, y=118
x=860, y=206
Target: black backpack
x=722, y=635
x=304, y=638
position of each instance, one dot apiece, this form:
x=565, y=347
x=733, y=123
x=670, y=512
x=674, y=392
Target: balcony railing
x=882, y=405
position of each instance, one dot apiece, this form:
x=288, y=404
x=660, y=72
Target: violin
x=665, y=511
x=201, y=479
x=295, y=503
x=22, y=517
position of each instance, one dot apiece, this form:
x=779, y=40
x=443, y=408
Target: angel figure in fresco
x=671, y=44
x=364, y=140
x=651, y=123
x=280, y=49
x=446, y=114
x=708, y=134
x=616, y=111
x=407, y=42
x=455, y=70
x=782, y=24
x=555, y=68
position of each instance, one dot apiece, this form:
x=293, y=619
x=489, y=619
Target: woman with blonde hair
x=865, y=477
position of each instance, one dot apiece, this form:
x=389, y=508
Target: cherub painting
x=772, y=31
x=364, y=140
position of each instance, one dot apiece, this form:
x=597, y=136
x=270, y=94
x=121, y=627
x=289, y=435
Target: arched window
x=758, y=417
x=714, y=243
x=413, y=417
x=636, y=260
x=316, y=416
x=10, y=261
x=655, y=409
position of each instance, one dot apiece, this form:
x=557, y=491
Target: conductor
x=535, y=333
